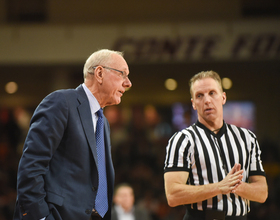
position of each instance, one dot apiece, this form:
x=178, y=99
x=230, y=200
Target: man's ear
x=98, y=73
x=224, y=97
x=193, y=105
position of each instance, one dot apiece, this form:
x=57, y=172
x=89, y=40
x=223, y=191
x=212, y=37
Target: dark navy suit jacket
x=57, y=174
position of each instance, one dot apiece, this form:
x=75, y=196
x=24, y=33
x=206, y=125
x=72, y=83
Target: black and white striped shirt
x=208, y=157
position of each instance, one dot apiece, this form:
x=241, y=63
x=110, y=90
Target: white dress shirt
x=94, y=105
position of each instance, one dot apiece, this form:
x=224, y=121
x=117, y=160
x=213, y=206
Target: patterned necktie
x=101, y=201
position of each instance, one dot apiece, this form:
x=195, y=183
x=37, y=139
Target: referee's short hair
x=205, y=74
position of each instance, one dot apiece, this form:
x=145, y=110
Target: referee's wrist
x=218, y=189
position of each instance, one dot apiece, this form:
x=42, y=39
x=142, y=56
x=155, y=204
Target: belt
x=212, y=214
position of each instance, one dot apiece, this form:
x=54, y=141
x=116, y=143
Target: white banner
x=152, y=43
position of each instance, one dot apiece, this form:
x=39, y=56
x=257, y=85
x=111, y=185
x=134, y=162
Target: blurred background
x=43, y=47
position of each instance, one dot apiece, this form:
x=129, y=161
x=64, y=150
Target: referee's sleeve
x=177, y=153
x=256, y=167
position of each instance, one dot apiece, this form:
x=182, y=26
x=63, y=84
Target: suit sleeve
x=47, y=127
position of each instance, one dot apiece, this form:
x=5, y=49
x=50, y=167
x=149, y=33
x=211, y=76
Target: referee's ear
x=193, y=105
x=224, y=96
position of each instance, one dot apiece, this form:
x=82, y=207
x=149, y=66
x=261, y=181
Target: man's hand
x=232, y=180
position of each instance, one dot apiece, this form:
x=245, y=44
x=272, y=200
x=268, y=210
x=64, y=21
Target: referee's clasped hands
x=233, y=179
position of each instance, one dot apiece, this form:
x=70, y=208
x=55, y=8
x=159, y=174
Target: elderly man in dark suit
x=62, y=167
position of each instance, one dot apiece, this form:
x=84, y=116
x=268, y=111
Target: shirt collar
x=219, y=134
x=94, y=105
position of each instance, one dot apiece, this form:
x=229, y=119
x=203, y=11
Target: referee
x=213, y=167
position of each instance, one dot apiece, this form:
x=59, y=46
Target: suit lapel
x=109, y=162
x=86, y=119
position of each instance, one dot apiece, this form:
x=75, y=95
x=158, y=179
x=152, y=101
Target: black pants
x=201, y=215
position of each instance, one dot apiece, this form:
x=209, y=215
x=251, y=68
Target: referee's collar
x=219, y=134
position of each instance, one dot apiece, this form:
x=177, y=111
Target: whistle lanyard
x=222, y=155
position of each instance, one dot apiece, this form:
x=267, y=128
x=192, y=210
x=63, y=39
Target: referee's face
x=208, y=99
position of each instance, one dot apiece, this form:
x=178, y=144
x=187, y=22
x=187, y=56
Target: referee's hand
x=232, y=180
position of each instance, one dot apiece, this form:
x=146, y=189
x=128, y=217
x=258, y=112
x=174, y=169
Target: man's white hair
x=100, y=57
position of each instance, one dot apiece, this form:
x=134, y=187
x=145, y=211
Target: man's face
x=114, y=85
x=124, y=197
x=208, y=100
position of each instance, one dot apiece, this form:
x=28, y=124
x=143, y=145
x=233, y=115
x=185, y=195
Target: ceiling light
x=170, y=84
